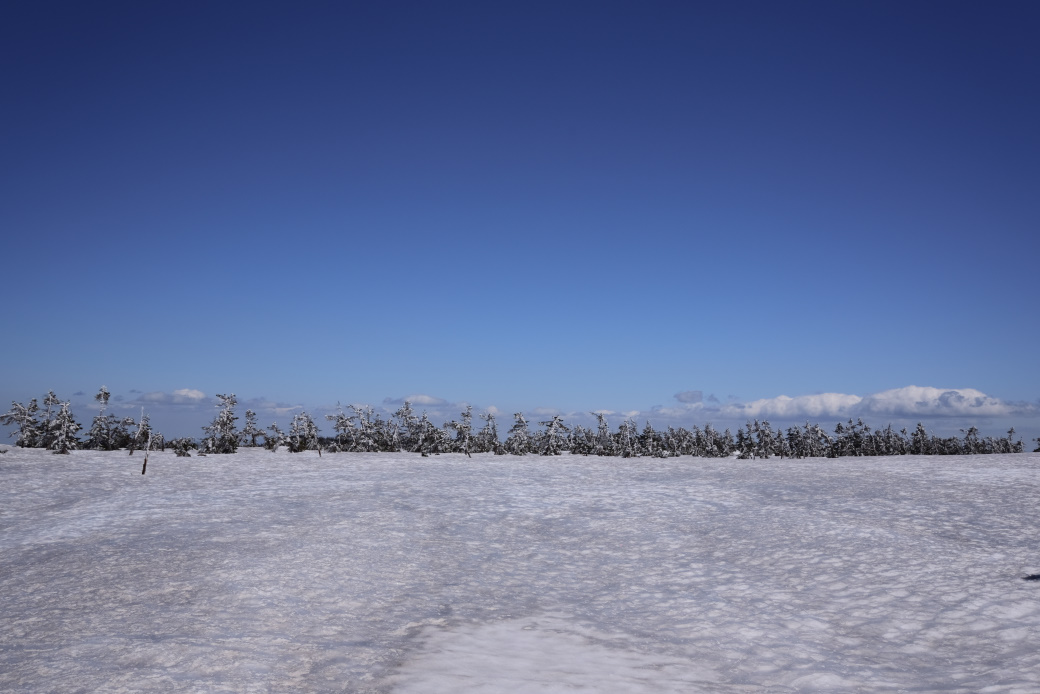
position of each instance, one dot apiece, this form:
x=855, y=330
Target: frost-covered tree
x=430, y=439
x=650, y=442
x=366, y=433
x=102, y=398
x=1009, y=445
x=221, y=436
x=581, y=441
x=24, y=417
x=63, y=430
x=303, y=434
x=47, y=426
x=783, y=447
x=554, y=436
x=604, y=441
x=681, y=442
x=745, y=442
x=712, y=443
x=181, y=446
x=275, y=439
x=120, y=436
x=463, y=431
x=100, y=438
x=249, y=433
x=407, y=426
x=391, y=434
x=920, y=442
x=627, y=439
x=891, y=442
x=363, y=431
x=344, y=428
x=143, y=436
x=487, y=438
x=809, y=442
x=972, y=444
x=726, y=444
x=518, y=442
x=765, y=439
x=426, y=437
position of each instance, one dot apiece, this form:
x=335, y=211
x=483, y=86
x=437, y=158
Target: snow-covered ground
x=262, y=572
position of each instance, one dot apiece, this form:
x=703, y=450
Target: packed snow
x=279, y=572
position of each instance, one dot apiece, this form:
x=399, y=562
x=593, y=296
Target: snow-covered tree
x=47, y=425
x=604, y=441
x=426, y=436
x=99, y=438
x=344, y=429
x=143, y=436
x=554, y=436
x=407, y=426
x=463, y=431
x=366, y=434
x=920, y=441
x=24, y=417
x=487, y=438
x=783, y=448
x=765, y=440
x=972, y=444
x=63, y=430
x=275, y=439
x=181, y=446
x=581, y=441
x=725, y=443
x=102, y=398
x=627, y=439
x=221, y=436
x=391, y=434
x=746, y=442
x=518, y=442
x=303, y=434
x=119, y=433
x=247, y=437
x=1009, y=445
x=650, y=442
x=680, y=441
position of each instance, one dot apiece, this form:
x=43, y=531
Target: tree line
x=362, y=429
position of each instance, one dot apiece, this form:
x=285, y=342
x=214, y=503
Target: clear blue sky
x=576, y=205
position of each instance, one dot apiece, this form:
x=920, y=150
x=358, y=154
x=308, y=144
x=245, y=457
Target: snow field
x=261, y=572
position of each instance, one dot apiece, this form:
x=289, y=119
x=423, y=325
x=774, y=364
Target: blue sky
x=532, y=206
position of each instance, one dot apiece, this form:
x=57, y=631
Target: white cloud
x=264, y=406
x=923, y=401
x=819, y=405
x=675, y=412
x=417, y=399
x=907, y=402
x=181, y=396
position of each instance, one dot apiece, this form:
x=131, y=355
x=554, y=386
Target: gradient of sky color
x=577, y=205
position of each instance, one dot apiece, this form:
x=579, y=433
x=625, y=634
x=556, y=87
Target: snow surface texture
x=261, y=572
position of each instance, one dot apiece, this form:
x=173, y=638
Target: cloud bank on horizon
x=926, y=403
x=906, y=402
